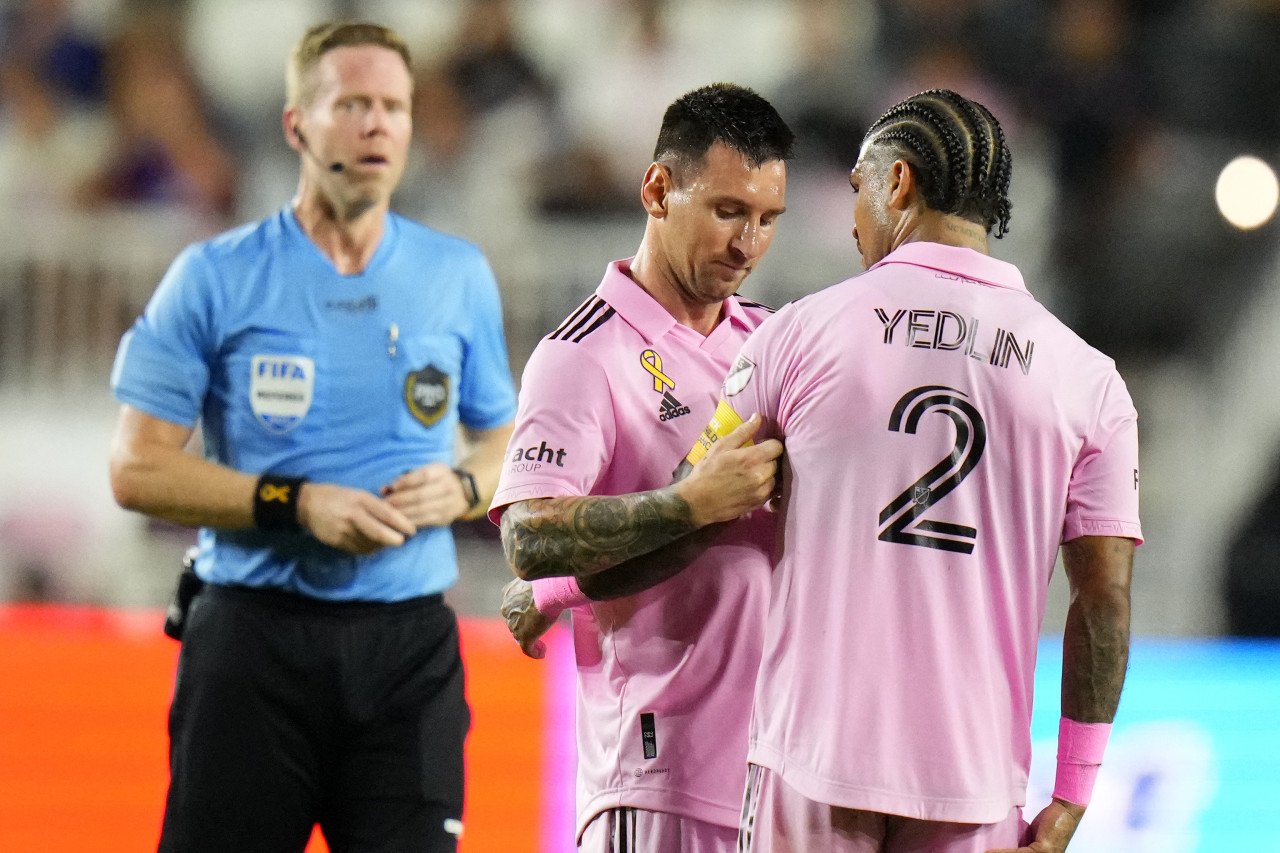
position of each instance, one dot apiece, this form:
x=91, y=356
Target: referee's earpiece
x=302, y=140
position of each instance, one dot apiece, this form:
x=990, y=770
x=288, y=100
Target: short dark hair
x=958, y=151
x=722, y=112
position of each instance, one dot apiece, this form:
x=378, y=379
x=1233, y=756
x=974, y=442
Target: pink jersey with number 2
x=945, y=433
x=609, y=404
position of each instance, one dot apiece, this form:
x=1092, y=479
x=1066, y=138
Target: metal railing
x=71, y=284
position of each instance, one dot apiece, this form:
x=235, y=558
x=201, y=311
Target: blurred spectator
x=1090, y=51
x=40, y=38
x=33, y=583
x=485, y=116
x=1098, y=93
x=164, y=151
x=1087, y=48
x=937, y=63
x=830, y=93
x=489, y=68
x=636, y=57
x=1215, y=67
x=42, y=549
x=51, y=117
x=235, y=47
x=616, y=104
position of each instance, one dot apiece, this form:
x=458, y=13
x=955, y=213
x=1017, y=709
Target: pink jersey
x=610, y=403
x=944, y=433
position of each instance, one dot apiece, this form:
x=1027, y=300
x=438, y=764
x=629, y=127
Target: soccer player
x=609, y=402
x=944, y=435
x=330, y=352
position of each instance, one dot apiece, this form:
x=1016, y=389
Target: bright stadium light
x=1247, y=192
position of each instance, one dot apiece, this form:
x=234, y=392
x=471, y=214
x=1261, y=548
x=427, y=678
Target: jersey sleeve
x=565, y=429
x=162, y=364
x=1102, y=497
x=756, y=381
x=487, y=396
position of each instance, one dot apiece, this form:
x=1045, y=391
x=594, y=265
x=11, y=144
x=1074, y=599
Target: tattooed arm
x=1095, y=646
x=582, y=536
x=649, y=570
x=528, y=624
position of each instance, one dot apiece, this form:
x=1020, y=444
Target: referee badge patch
x=280, y=390
x=426, y=393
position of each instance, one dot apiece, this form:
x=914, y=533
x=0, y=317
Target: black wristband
x=469, y=490
x=275, y=502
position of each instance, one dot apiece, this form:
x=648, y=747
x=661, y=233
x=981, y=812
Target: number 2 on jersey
x=940, y=480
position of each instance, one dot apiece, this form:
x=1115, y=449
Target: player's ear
x=291, y=119
x=654, y=189
x=902, y=185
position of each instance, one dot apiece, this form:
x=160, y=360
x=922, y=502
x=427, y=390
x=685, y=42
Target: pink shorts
x=630, y=830
x=776, y=819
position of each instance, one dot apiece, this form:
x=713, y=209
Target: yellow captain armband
x=723, y=422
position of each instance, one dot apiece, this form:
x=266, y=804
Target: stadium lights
x=1247, y=192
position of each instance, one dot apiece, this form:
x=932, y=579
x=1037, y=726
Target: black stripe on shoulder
x=582, y=312
x=747, y=303
x=600, y=321
x=586, y=318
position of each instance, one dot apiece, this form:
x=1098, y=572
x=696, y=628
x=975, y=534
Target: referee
x=330, y=353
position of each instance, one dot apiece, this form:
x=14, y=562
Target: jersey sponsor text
x=531, y=458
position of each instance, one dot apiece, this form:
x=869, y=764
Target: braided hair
x=722, y=112
x=958, y=152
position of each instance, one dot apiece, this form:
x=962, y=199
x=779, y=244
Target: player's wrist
x=1074, y=809
x=554, y=595
x=1080, y=750
x=277, y=502
x=689, y=494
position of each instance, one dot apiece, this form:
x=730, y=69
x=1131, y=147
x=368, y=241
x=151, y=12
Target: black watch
x=469, y=490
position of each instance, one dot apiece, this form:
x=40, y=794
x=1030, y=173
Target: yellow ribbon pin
x=652, y=362
x=269, y=492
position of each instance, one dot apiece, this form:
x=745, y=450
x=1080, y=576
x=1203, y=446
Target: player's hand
x=430, y=496
x=1051, y=830
x=526, y=623
x=351, y=519
x=732, y=480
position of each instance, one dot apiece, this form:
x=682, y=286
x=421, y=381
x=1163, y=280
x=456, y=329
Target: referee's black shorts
x=288, y=712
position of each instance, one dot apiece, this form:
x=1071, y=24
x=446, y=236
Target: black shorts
x=290, y=712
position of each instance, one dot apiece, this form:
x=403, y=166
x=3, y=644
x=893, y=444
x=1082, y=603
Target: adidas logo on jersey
x=671, y=408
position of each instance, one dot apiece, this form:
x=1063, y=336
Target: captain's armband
x=723, y=422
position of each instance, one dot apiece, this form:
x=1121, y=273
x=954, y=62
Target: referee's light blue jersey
x=295, y=369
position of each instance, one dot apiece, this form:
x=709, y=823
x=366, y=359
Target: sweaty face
x=720, y=221
x=872, y=220
x=359, y=117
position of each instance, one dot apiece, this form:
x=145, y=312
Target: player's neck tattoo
x=971, y=232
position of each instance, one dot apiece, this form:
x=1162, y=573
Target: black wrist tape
x=275, y=502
